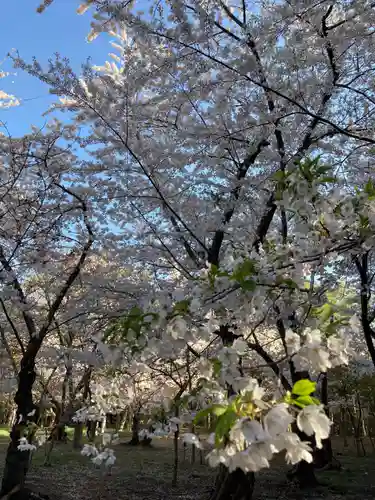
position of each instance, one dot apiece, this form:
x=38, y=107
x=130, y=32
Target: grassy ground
x=145, y=474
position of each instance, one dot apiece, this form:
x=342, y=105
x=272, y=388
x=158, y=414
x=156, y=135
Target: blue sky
x=58, y=29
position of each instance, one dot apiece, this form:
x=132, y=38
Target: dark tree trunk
x=175, y=447
x=323, y=458
x=78, y=435
x=236, y=485
x=16, y=461
x=91, y=430
x=135, y=430
x=304, y=472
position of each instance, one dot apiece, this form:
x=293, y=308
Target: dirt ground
x=146, y=473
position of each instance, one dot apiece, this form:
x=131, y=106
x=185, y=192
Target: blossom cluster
x=25, y=445
x=259, y=429
x=102, y=455
x=313, y=353
x=105, y=457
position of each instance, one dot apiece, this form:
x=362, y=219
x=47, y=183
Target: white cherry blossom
x=312, y=420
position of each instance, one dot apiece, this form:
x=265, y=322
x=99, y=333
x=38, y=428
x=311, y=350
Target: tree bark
x=175, y=446
x=235, y=485
x=16, y=461
x=121, y=421
x=78, y=436
x=135, y=430
x=11, y=416
x=323, y=458
x=304, y=472
x=91, y=430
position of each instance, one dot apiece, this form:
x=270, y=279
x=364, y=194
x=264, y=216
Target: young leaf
x=224, y=424
x=304, y=387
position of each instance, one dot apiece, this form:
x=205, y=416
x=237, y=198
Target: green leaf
x=182, y=307
x=303, y=401
x=248, y=285
x=323, y=169
x=326, y=312
x=279, y=175
x=370, y=188
x=244, y=270
x=364, y=221
x=337, y=209
x=216, y=409
x=223, y=426
x=216, y=366
x=290, y=283
x=304, y=387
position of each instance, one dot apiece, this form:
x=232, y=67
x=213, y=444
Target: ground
x=145, y=474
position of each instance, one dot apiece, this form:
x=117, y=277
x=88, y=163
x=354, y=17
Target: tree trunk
x=103, y=425
x=121, y=421
x=175, y=447
x=323, y=458
x=11, y=416
x=91, y=430
x=236, y=485
x=58, y=432
x=78, y=436
x=16, y=461
x=135, y=430
x=304, y=472
x=192, y=446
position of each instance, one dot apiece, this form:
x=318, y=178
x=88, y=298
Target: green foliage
x=337, y=311
x=224, y=424
x=304, y=387
x=369, y=189
x=242, y=274
x=215, y=409
x=129, y=329
x=181, y=307
x=309, y=169
x=301, y=394
x=286, y=282
x=303, y=401
x=216, y=366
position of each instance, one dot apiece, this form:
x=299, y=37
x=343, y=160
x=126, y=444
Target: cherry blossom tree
x=231, y=149
x=41, y=215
